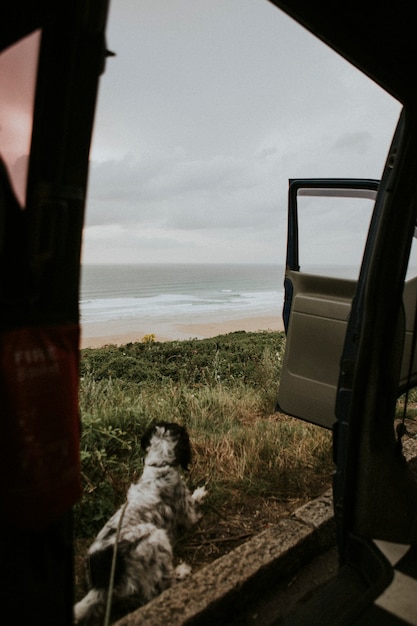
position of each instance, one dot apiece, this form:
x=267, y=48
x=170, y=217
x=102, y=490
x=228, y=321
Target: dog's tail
x=92, y=605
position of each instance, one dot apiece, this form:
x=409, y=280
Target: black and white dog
x=158, y=507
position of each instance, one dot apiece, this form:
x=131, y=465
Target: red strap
x=39, y=455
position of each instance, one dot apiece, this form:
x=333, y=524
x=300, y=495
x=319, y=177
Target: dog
x=158, y=508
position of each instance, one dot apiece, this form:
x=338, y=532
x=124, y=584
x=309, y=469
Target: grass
x=224, y=391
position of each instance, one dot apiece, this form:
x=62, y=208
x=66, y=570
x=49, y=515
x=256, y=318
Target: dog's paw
x=182, y=571
x=199, y=495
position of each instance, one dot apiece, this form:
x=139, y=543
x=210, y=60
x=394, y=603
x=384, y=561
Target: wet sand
x=131, y=330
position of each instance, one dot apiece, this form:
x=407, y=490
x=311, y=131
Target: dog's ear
x=146, y=437
x=183, y=448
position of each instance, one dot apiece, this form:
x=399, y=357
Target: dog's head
x=167, y=443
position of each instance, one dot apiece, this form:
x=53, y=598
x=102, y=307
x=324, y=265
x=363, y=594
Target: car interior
x=350, y=348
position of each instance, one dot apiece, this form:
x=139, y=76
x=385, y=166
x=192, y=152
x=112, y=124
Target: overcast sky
x=205, y=112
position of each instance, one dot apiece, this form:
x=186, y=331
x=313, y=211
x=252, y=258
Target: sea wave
x=224, y=304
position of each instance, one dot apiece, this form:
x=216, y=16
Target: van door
x=328, y=221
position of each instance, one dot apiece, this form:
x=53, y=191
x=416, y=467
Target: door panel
x=317, y=325
x=328, y=220
x=317, y=309
x=316, y=333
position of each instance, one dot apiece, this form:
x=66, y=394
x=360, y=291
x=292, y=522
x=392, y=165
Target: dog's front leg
x=199, y=495
x=195, y=501
x=181, y=572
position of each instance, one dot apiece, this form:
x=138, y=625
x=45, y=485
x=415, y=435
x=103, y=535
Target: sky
x=205, y=112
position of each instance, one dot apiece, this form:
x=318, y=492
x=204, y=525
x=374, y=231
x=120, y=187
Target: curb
x=215, y=593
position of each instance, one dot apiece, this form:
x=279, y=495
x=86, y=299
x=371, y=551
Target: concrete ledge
x=255, y=568
x=252, y=568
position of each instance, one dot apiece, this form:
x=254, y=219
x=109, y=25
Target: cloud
x=155, y=245
x=204, y=114
x=177, y=191
x=356, y=142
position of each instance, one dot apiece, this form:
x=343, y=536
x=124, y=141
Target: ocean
x=186, y=292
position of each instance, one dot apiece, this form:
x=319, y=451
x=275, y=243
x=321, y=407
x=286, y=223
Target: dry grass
x=258, y=465
x=273, y=456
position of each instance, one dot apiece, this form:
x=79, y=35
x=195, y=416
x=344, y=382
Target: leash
x=113, y=568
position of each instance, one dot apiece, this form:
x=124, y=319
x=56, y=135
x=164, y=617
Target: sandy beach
x=126, y=330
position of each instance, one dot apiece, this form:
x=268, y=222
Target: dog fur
x=158, y=508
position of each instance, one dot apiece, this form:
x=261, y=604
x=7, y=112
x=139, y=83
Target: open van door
x=320, y=282
x=351, y=351
x=318, y=296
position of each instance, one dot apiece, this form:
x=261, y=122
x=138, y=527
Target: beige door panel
x=316, y=333
x=317, y=327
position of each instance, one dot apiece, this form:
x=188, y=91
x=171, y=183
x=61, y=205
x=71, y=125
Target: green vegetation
x=410, y=400
x=224, y=391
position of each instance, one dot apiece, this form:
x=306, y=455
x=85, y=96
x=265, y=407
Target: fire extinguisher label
x=39, y=460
